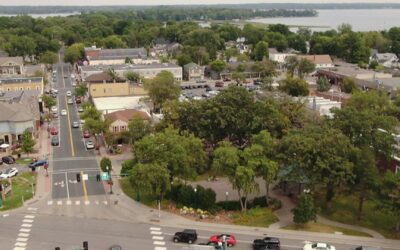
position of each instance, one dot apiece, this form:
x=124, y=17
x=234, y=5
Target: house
x=11, y=66
x=322, y=105
x=241, y=46
x=103, y=85
x=21, y=83
x=120, y=119
x=98, y=56
x=147, y=71
x=388, y=60
x=320, y=61
x=15, y=118
x=164, y=48
x=192, y=71
x=31, y=99
x=280, y=57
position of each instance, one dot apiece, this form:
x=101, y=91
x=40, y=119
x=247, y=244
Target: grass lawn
x=21, y=187
x=344, y=210
x=322, y=228
x=132, y=193
x=24, y=161
x=256, y=217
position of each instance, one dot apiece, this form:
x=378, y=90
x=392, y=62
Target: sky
x=169, y=2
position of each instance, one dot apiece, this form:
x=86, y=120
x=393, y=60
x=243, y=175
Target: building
x=103, y=85
x=388, y=60
x=320, y=61
x=164, y=48
x=120, y=119
x=98, y=56
x=11, y=66
x=322, y=105
x=21, y=83
x=15, y=118
x=147, y=71
x=192, y=71
x=109, y=105
x=32, y=70
x=280, y=57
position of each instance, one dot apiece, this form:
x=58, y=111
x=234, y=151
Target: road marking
x=49, y=203
x=87, y=203
x=29, y=216
x=160, y=248
x=23, y=235
x=32, y=208
x=161, y=243
x=27, y=221
x=26, y=230
x=157, y=238
x=77, y=202
x=69, y=130
x=26, y=225
x=22, y=239
x=6, y=215
x=20, y=244
x=66, y=181
x=155, y=228
x=105, y=202
x=97, y=202
x=84, y=188
x=156, y=232
x=62, y=75
x=69, y=202
x=59, y=203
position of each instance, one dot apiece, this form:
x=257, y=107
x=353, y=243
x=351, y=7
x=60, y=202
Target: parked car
x=229, y=238
x=219, y=84
x=38, y=163
x=115, y=247
x=55, y=115
x=63, y=112
x=267, y=243
x=8, y=159
x=54, y=109
x=69, y=101
x=78, y=99
x=75, y=124
x=257, y=82
x=89, y=145
x=187, y=236
x=86, y=134
x=366, y=248
x=227, y=79
x=201, y=81
x=1, y=161
x=8, y=173
x=73, y=84
x=55, y=141
x=69, y=93
x=318, y=246
x=53, y=131
x=80, y=109
x=82, y=121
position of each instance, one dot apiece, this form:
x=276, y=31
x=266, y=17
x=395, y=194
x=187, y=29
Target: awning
x=3, y=146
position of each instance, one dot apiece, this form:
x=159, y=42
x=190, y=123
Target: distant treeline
x=166, y=13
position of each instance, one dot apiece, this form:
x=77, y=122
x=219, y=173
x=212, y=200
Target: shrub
x=229, y=205
x=184, y=195
x=127, y=167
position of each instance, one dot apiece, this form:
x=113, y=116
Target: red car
x=86, y=134
x=229, y=238
x=54, y=131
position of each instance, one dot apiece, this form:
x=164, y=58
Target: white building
x=322, y=105
x=388, y=60
x=279, y=57
x=320, y=61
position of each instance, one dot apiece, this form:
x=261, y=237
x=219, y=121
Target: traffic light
x=85, y=245
x=78, y=177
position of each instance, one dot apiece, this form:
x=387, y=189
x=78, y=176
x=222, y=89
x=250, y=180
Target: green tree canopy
x=74, y=53
x=105, y=164
x=28, y=142
x=261, y=51
x=294, y=86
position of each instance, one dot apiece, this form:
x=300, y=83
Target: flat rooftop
x=127, y=67
x=6, y=80
x=111, y=104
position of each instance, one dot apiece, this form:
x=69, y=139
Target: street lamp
x=226, y=199
x=109, y=179
x=195, y=197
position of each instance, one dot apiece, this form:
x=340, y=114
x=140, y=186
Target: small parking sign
x=104, y=176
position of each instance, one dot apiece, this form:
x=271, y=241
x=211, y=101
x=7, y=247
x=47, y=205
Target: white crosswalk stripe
x=161, y=243
x=29, y=216
x=160, y=248
x=49, y=202
x=157, y=238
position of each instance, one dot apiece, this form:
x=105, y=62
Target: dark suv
x=8, y=159
x=266, y=243
x=187, y=235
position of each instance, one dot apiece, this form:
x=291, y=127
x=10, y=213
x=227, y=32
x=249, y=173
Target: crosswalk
x=76, y=203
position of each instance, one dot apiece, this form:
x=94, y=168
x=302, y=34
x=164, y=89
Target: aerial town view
x=200, y=125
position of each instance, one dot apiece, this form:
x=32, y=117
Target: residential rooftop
x=127, y=67
x=106, y=54
x=5, y=80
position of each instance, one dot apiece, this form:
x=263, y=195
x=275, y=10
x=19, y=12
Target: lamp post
x=109, y=179
x=195, y=197
x=226, y=199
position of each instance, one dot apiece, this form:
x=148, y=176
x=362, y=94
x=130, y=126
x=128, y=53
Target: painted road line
x=84, y=187
x=27, y=221
x=156, y=232
x=66, y=181
x=59, y=203
x=105, y=202
x=87, y=203
x=97, y=202
x=160, y=243
x=69, y=129
x=26, y=225
x=157, y=238
x=6, y=215
x=155, y=228
x=22, y=239
x=160, y=248
x=69, y=202
x=26, y=230
x=20, y=244
x=77, y=202
x=23, y=235
x=49, y=203
x=29, y=216
x=32, y=208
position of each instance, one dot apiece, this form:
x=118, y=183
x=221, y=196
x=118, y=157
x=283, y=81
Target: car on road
x=267, y=243
x=54, y=91
x=54, y=109
x=69, y=93
x=80, y=109
x=38, y=163
x=8, y=159
x=318, y=246
x=115, y=247
x=54, y=131
x=73, y=84
x=187, y=236
x=89, y=145
x=69, y=101
x=366, y=248
x=86, y=134
x=63, y=112
x=219, y=84
x=55, y=141
x=8, y=173
x=229, y=239
x=55, y=115
x=75, y=124
x=78, y=99
x=54, y=95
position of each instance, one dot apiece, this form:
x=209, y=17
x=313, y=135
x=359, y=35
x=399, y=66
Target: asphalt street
x=71, y=158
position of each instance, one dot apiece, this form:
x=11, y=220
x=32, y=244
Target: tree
x=49, y=101
x=294, y=86
x=112, y=42
x=305, y=210
x=152, y=178
x=305, y=66
x=183, y=59
x=226, y=160
x=291, y=63
x=323, y=84
x=132, y=76
x=74, y=53
x=218, y=66
x=81, y=90
x=92, y=113
x=96, y=126
x=389, y=196
x=260, y=51
x=105, y=164
x=49, y=58
x=28, y=142
x=162, y=88
x=238, y=76
x=348, y=85
x=265, y=68
x=231, y=52
x=138, y=128
x=244, y=181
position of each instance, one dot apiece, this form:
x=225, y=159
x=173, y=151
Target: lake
x=360, y=20
x=46, y=15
